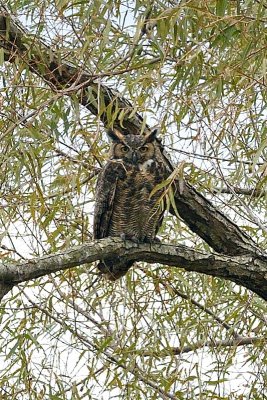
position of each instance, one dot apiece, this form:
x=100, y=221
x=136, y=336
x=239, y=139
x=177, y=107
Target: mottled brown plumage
x=124, y=205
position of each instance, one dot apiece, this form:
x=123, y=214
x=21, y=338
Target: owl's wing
x=105, y=193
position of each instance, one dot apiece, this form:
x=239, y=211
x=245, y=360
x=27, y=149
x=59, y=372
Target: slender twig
x=246, y=192
x=110, y=356
x=241, y=341
x=164, y=282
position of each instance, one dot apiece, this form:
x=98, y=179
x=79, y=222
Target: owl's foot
x=155, y=240
x=133, y=238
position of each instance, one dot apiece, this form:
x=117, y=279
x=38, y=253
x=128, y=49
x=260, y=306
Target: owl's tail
x=114, y=270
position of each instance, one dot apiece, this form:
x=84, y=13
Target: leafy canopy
x=197, y=69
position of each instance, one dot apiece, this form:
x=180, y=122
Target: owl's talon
x=135, y=239
x=155, y=240
x=123, y=236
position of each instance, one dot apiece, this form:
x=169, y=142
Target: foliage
x=197, y=69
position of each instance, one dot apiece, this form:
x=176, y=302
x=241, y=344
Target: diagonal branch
x=66, y=77
x=196, y=211
x=249, y=271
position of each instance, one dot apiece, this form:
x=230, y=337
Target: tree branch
x=210, y=224
x=240, y=341
x=110, y=355
x=249, y=271
x=170, y=285
x=65, y=77
x=196, y=211
x=256, y=192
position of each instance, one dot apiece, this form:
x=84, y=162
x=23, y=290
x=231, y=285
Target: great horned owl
x=124, y=205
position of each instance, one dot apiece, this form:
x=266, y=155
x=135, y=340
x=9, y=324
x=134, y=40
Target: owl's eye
x=124, y=149
x=143, y=149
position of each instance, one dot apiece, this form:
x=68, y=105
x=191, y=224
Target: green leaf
x=221, y=6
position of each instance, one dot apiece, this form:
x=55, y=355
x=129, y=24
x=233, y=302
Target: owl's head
x=134, y=149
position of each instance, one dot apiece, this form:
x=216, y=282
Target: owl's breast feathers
x=124, y=205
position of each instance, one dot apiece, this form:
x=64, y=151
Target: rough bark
x=210, y=224
x=249, y=271
x=42, y=61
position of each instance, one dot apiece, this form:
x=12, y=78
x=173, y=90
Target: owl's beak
x=134, y=157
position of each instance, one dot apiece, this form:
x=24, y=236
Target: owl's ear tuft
x=151, y=135
x=115, y=135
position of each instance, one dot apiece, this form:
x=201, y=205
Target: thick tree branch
x=41, y=60
x=249, y=271
x=210, y=224
x=197, y=212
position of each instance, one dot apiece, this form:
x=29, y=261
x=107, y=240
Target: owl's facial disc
x=133, y=149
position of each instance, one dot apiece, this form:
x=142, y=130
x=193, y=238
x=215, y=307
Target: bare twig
x=241, y=341
x=246, y=192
